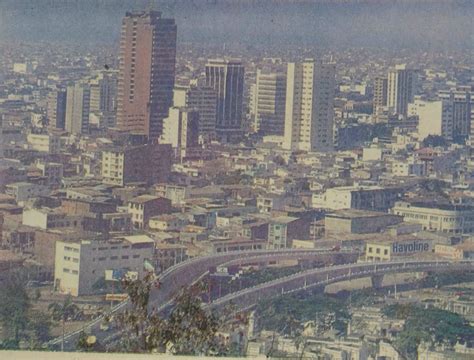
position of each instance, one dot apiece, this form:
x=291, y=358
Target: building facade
x=309, y=116
x=77, y=108
x=401, y=87
x=146, y=72
x=226, y=77
x=270, y=103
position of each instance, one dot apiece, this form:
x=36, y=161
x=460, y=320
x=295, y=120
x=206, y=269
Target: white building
x=309, y=106
x=438, y=217
x=78, y=266
x=181, y=130
x=401, y=87
x=47, y=143
x=77, y=108
x=434, y=118
x=270, y=103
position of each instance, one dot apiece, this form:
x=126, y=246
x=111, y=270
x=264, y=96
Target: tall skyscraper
x=226, y=77
x=461, y=101
x=309, y=116
x=270, y=103
x=104, y=98
x=77, y=108
x=380, y=96
x=400, y=89
x=146, y=72
x=203, y=100
x=56, y=109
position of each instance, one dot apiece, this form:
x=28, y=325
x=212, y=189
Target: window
x=136, y=256
x=113, y=257
x=66, y=270
x=124, y=256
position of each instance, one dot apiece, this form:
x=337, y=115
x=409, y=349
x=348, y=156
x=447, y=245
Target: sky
x=426, y=24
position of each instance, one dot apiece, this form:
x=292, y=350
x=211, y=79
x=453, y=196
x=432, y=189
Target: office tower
x=400, y=89
x=104, y=98
x=226, y=77
x=146, y=72
x=270, y=102
x=56, y=109
x=434, y=117
x=104, y=92
x=309, y=112
x=77, y=108
x=380, y=96
x=461, y=101
x=180, y=129
x=203, y=100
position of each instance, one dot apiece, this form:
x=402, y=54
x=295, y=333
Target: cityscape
x=237, y=178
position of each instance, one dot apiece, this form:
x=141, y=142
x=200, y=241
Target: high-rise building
x=400, y=89
x=270, y=103
x=461, y=101
x=77, y=108
x=203, y=100
x=104, y=98
x=434, y=117
x=226, y=77
x=309, y=116
x=56, y=109
x=180, y=129
x=380, y=95
x=146, y=72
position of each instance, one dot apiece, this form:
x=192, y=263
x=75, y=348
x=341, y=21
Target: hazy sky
x=388, y=23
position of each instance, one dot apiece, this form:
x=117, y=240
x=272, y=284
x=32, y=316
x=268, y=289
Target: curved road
x=178, y=276
x=324, y=276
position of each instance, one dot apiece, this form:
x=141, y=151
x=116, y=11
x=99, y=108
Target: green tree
x=189, y=329
x=15, y=306
x=63, y=312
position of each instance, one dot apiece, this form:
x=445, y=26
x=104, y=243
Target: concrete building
x=77, y=108
x=226, y=77
x=103, y=102
x=358, y=222
x=145, y=207
x=389, y=249
x=380, y=96
x=461, y=103
x=46, y=143
x=23, y=191
x=309, y=106
x=401, y=87
x=202, y=99
x=458, y=219
x=150, y=163
x=56, y=109
x=282, y=230
x=146, y=72
x=53, y=172
x=181, y=130
x=373, y=198
x=80, y=265
x=270, y=103
x=434, y=118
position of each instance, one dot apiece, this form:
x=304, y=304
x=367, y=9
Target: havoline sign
x=410, y=247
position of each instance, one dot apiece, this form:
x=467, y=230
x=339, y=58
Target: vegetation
x=431, y=325
x=19, y=321
x=436, y=280
x=434, y=141
x=286, y=313
x=189, y=329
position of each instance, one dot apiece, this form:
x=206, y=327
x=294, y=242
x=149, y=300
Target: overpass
x=321, y=277
x=188, y=272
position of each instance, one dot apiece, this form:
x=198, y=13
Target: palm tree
x=62, y=312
